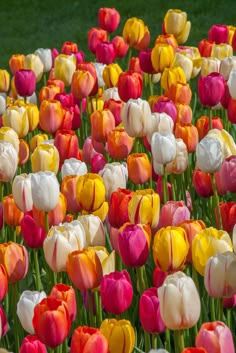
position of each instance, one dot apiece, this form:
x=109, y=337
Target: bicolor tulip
x=51, y=115
x=136, y=33
x=34, y=63
x=66, y=293
x=139, y=168
x=25, y=308
x=184, y=61
x=48, y=92
x=221, y=51
x=95, y=36
x=102, y=123
x=48, y=312
x=215, y=337
x=130, y=85
x=32, y=234
x=116, y=292
x=14, y=258
x=8, y=161
x=64, y=68
x=211, y=89
x=31, y=344
x=16, y=62
x=180, y=93
x=87, y=264
x=68, y=189
x=165, y=105
x=167, y=38
x=168, y=254
x=118, y=330
x=21, y=190
x=86, y=338
x=94, y=230
x=16, y=117
x=176, y=295
x=175, y=22
x=111, y=73
x=45, y=158
x=207, y=243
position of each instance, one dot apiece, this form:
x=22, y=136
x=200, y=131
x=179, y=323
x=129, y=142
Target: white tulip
x=73, y=166
x=8, y=161
x=22, y=194
x=209, y=155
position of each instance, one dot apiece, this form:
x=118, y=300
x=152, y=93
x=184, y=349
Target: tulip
x=32, y=234
x=4, y=80
x=4, y=282
x=144, y=208
x=116, y=292
x=172, y=213
x=51, y=115
x=105, y=53
x=221, y=51
x=171, y=76
x=21, y=190
x=145, y=61
x=86, y=338
x=61, y=241
x=94, y=230
x=119, y=204
x=180, y=163
x=3, y=322
x=167, y=252
x=130, y=234
x=189, y=134
x=121, y=47
x=119, y=143
x=218, y=34
x=207, y=243
x=102, y=123
x=136, y=34
x=120, y=330
x=161, y=122
x=211, y=89
x=162, y=56
x=25, y=308
x=180, y=93
x=23, y=152
x=16, y=62
x=64, y=68
x=51, y=311
x=34, y=63
x=73, y=166
x=33, y=116
x=82, y=83
x=108, y=19
x=231, y=110
x=184, y=62
x=66, y=293
x=210, y=65
x=134, y=65
x=95, y=36
x=37, y=140
x=114, y=176
x=45, y=158
x=3, y=103
x=25, y=82
x=202, y=125
x=8, y=161
x=176, y=295
x=167, y=38
x=130, y=85
x=165, y=105
x=149, y=312
x=16, y=118
x=175, y=22
x=158, y=277
x=12, y=215
x=68, y=189
x=227, y=213
x=45, y=190
x=139, y=168
x=209, y=155
x=219, y=275
x=111, y=93
x=14, y=258
x=163, y=148
x=31, y=344
x=227, y=142
x=202, y=183
x=229, y=303
x=111, y=74
x=87, y=263
x=230, y=82
x=225, y=181
x=48, y=92
x=9, y=135
x=226, y=66
x=67, y=144
x=215, y=337
x=115, y=107
x=46, y=57
x=194, y=350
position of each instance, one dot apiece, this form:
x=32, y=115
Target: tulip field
x=117, y=178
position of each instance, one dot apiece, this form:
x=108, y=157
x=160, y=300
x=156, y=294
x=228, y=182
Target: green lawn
x=30, y=24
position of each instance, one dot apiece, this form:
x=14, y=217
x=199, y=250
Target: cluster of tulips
x=117, y=193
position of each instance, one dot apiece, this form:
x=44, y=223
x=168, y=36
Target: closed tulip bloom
x=16, y=118
x=227, y=65
x=4, y=282
x=149, y=312
x=108, y=19
x=209, y=155
x=163, y=148
x=68, y=189
x=207, y=243
x=116, y=292
x=221, y=51
x=210, y=65
x=202, y=125
x=66, y=293
x=167, y=252
x=64, y=68
x=219, y=278
x=25, y=82
x=32, y=234
x=86, y=338
x=119, y=205
x=215, y=337
x=46, y=57
x=48, y=312
x=4, y=80
x=45, y=158
x=12, y=215
x=144, y=208
x=3, y=323
x=37, y=140
x=172, y=213
x=118, y=330
x=185, y=62
x=119, y=143
x=224, y=177
x=102, y=123
x=21, y=190
x=139, y=168
x=176, y=295
x=73, y=166
x=210, y=89
x=145, y=61
x=94, y=230
x=202, y=183
x=14, y=258
x=31, y=344
x=48, y=92
x=166, y=105
x=130, y=234
x=111, y=74
x=67, y=144
x=51, y=115
x=45, y=190
x=87, y=264
x=114, y=176
x=136, y=34
x=228, y=213
x=130, y=85
x=62, y=240
x=3, y=102
x=95, y=36
x=90, y=192
x=82, y=83
x=180, y=93
x=218, y=33
x=136, y=117
x=121, y=47
x=171, y=75
x=34, y=63
x=180, y=163
x=16, y=62
x=8, y=161
x=9, y=135
x=175, y=22
x=189, y=134
x=162, y=56
x=105, y=53
x=25, y=308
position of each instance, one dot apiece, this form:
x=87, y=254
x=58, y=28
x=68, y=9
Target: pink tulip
x=3, y=322
x=166, y=105
x=32, y=234
x=215, y=337
x=225, y=177
x=31, y=344
x=25, y=82
x=211, y=89
x=173, y=213
x=218, y=34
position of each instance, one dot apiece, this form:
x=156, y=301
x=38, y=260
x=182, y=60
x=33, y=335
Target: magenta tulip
x=211, y=89
x=3, y=322
x=218, y=34
x=32, y=234
x=25, y=82
x=145, y=61
x=116, y=292
x=31, y=344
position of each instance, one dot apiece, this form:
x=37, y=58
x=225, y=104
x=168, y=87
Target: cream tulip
x=209, y=65
x=64, y=68
x=180, y=304
x=180, y=163
x=209, y=155
x=227, y=65
x=8, y=161
x=226, y=140
x=46, y=57
x=94, y=230
x=114, y=175
x=73, y=166
x=9, y=135
x=185, y=63
x=25, y=308
x=33, y=62
x=3, y=102
x=231, y=83
x=45, y=190
x=107, y=259
x=111, y=93
x=21, y=190
x=17, y=118
x=161, y=122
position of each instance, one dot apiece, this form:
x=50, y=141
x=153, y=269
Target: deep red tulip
x=158, y=277
x=145, y=61
x=130, y=85
x=211, y=89
x=108, y=19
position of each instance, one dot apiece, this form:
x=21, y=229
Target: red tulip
x=228, y=215
x=211, y=89
x=108, y=19
x=130, y=85
x=118, y=207
x=121, y=47
x=205, y=47
x=202, y=183
x=87, y=340
x=95, y=36
x=158, y=277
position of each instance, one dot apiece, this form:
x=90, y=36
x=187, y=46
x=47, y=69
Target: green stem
x=173, y=186
x=212, y=309
x=220, y=310
x=154, y=340
x=137, y=349
x=181, y=340
x=141, y=279
x=150, y=84
x=147, y=342
x=98, y=308
x=228, y=318
x=210, y=119
x=119, y=264
x=216, y=202
x=15, y=318
x=46, y=222
x=167, y=340
x=90, y=304
x=164, y=185
x=37, y=271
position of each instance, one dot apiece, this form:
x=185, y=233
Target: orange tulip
x=68, y=189
x=168, y=39
x=119, y=143
x=67, y=145
x=12, y=215
x=65, y=293
x=23, y=152
x=16, y=62
x=180, y=93
x=189, y=134
x=84, y=268
x=82, y=83
x=48, y=92
x=202, y=125
x=14, y=258
x=51, y=115
x=88, y=339
x=184, y=113
x=102, y=123
x=139, y=168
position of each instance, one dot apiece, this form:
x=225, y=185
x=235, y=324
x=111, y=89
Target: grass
x=30, y=24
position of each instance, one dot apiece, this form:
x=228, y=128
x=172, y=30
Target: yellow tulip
x=118, y=331
x=227, y=142
x=101, y=212
x=170, y=248
x=111, y=74
x=45, y=158
x=107, y=260
x=175, y=22
x=64, y=68
x=171, y=76
x=207, y=243
x=4, y=80
x=37, y=140
x=9, y=135
x=221, y=51
x=162, y=56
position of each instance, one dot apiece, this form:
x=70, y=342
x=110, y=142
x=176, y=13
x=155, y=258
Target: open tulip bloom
x=117, y=191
